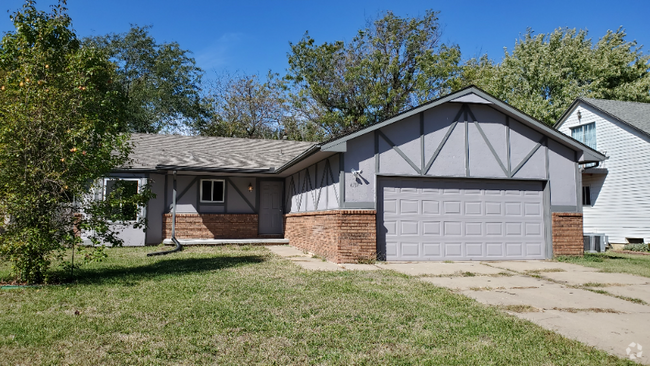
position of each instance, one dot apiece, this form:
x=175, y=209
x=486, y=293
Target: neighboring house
x=616, y=192
x=464, y=177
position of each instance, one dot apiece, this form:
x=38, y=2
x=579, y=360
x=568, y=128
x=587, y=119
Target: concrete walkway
x=308, y=261
x=609, y=311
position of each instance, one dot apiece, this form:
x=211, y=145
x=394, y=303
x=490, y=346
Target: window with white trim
x=585, y=134
x=129, y=188
x=212, y=190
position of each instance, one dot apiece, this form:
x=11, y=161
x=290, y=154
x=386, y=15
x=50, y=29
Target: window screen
x=585, y=134
x=125, y=190
x=212, y=190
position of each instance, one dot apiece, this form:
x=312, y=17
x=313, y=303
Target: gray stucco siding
x=466, y=140
x=315, y=188
x=562, y=175
x=155, y=209
x=360, y=157
x=188, y=187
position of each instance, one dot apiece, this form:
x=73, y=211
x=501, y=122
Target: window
x=123, y=189
x=212, y=190
x=586, y=196
x=585, y=134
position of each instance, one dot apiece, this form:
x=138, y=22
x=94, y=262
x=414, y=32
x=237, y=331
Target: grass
x=242, y=305
x=613, y=262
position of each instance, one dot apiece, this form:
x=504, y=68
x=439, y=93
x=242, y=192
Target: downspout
x=178, y=247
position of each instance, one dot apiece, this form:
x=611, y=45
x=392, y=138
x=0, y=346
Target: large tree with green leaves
x=161, y=81
x=62, y=117
x=253, y=107
x=546, y=72
x=391, y=65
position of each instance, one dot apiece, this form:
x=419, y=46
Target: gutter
x=208, y=169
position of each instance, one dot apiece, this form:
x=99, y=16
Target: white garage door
x=427, y=219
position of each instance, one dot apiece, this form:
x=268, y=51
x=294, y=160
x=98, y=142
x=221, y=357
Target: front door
x=271, y=207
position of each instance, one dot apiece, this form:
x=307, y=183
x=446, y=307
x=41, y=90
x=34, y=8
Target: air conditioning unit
x=594, y=242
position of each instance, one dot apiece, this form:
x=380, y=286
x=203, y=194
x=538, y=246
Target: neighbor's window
x=127, y=188
x=212, y=190
x=585, y=134
x=586, y=196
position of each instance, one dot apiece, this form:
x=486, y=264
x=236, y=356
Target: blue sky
x=253, y=36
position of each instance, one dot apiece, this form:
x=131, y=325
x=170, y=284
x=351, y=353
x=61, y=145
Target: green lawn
x=242, y=305
x=614, y=262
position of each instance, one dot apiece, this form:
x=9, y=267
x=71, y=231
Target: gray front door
x=435, y=219
x=271, y=207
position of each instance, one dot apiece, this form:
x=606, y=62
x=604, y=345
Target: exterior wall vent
x=635, y=240
x=594, y=242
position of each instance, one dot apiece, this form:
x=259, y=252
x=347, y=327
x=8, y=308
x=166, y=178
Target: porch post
x=174, y=206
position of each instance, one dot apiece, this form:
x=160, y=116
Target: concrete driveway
x=609, y=311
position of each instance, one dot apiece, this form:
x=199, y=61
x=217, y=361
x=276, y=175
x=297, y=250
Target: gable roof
x=633, y=114
x=473, y=94
x=199, y=153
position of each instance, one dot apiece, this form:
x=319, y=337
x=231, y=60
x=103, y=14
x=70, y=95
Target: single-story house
x=615, y=192
x=464, y=177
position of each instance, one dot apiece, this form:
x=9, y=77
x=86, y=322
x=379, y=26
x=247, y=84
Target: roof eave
x=305, y=154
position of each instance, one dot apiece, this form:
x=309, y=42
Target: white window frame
x=583, y=140
x=104, y=194
x=223, y=192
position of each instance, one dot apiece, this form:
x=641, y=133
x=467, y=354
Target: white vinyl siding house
x=619, y=188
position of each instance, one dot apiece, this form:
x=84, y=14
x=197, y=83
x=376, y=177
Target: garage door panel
x=494, y=250
x=493, y=208
x=534, y=249
x=513, y=208
x=430, y=207
x=391, y=249
x=474, y=249
x=452, y=228
x=453, y=249
x=409, y=206
x=431, y=228
x=474, y=208
x=432, y=249
x=410, y=250
x=390, y=206
x=533, y=229
x=473, y=219
x=409, y=228
x=451, y=207
x=473, y=229
x=532, y=209
x=493, y=228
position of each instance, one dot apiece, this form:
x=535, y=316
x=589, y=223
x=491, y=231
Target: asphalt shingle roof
x=635, y=114
x=153, y=151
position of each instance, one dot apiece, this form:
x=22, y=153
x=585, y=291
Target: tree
x=62, y=115
x=546, y=72
x=393, y=64
x=161, y=81
x=246, y=106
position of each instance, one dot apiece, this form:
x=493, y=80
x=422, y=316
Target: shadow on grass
x=161, y=268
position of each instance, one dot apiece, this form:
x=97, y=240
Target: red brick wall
x=211, y=226
x=341, y=236
x=567, y=234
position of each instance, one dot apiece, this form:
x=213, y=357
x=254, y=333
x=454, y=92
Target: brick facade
x=341, y=236
x=212, y=226
x=567, y=234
